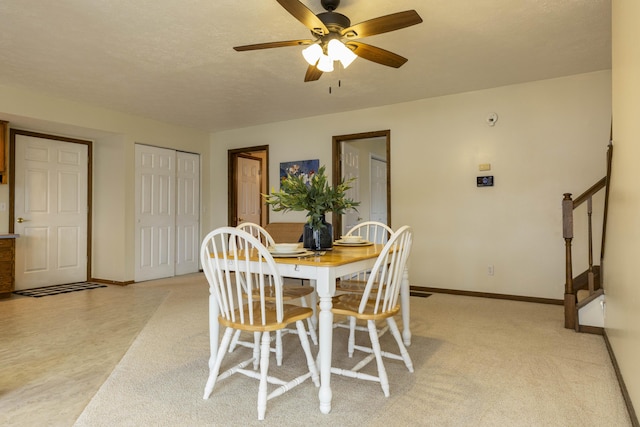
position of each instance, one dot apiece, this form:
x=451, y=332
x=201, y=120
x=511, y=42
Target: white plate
x=283, y=251
x=286, y=247
x=296, y=254
x=363, y=243
x=351, y=239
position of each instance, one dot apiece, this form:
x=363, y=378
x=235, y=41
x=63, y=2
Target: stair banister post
x=590, y=276
x=567, y=233
x=570, y=320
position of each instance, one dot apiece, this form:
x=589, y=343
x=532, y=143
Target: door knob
x=21, y=220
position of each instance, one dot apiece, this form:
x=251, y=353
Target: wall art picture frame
x=304, y=168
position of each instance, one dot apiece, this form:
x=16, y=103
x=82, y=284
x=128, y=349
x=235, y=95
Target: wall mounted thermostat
x=484, y=181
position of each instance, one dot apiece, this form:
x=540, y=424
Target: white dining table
x=322, y=271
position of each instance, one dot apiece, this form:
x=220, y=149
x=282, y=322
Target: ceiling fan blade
x=376, y=54
x=312, y=74
x=383, y=24
x=303, y=14
x=269, y=45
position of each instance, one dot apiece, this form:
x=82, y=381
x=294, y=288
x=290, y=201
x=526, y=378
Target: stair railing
x=568, y=206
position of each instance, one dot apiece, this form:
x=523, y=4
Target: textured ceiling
x=173, y=60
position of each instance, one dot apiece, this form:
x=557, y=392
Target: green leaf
x=317, y=197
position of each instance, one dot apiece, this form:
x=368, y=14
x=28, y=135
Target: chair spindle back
x=233, y=262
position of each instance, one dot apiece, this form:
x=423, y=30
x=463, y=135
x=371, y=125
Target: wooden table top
x=339, y=255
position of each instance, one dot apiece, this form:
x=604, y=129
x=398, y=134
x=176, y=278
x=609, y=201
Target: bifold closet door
x=188, y=213
x=155, y=220
x=167, y=212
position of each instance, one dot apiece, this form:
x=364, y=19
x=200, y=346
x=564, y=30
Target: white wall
x=622, y=322
x=550, y=138
x=114, y=135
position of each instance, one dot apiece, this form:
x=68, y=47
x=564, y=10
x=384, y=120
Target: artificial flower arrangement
x=314, y=195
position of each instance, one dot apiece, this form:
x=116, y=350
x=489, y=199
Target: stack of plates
x=352, y=242
x=287, y=250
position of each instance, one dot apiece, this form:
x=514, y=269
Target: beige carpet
x=479, y=362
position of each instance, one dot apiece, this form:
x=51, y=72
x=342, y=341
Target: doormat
x=59, y=289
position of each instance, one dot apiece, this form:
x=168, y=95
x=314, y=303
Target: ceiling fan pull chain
x=339, y=85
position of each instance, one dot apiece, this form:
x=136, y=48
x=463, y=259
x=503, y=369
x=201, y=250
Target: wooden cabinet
x=3, y=149
x=7, y=256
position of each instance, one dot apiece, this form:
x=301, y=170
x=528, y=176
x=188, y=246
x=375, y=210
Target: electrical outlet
x=3, y=206
x=490, y=270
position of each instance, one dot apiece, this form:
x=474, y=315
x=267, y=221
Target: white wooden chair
x=372, y=231
x=221, y=256
x=379, y=301
x=290, y=293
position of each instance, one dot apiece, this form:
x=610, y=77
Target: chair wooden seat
x=291, y=314
x=348, y=305
x=289, y=293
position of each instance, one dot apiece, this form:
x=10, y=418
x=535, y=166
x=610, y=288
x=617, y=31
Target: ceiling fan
x=334, y=38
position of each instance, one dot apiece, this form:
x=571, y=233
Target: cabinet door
x=3, y=140
x=6, y=265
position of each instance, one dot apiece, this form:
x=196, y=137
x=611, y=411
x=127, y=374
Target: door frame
x=12, y=176
x=232, y=182
x=336, y=152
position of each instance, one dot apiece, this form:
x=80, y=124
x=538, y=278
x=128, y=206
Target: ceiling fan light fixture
x=325, y=64
x=312, y=54
x=329, y=29
x=339, y=52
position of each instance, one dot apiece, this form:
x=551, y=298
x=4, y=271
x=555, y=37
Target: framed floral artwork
x=304, y=168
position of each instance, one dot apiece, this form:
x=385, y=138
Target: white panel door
x=188, y=213
x=51, y=211
x=249, y=184
x=378, y=208
x=351, y=169
x=155, y=213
